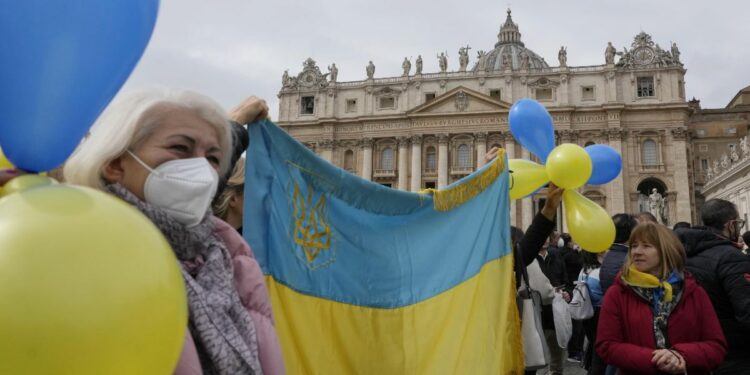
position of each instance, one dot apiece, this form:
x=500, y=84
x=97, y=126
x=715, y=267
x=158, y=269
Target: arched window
x=464, y=157
x=649, y=152
x=589, y=143
x=349, y=160
x=431, y=156
x=386, y=159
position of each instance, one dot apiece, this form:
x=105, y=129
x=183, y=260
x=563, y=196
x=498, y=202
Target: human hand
x=554, y=196
x=250, y=110
x=668, y=361
x=491, y=154
x=8, y=174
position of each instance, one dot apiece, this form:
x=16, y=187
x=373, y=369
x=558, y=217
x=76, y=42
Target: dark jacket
x=611, y=265
x=554, y=268
x=724, y=272
x=625, y=334
x=573, y=264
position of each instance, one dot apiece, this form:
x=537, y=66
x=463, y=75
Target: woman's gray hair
x=128, y=121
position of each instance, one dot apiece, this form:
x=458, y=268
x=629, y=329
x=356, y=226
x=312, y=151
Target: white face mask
x=560, y=243
x=184, y=188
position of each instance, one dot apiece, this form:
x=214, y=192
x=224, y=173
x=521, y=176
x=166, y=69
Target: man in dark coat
x=714, y=257
x=615, y=257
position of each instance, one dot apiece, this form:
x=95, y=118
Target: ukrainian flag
x=365, y=279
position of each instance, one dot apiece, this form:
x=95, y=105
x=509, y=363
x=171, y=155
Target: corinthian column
x=403, y=163
x=416, y=163
x=481, y=145
x=367, y=159
x=442, y=160
x=327, y=146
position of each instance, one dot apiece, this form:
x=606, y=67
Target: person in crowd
x=646, y=216
x=228, y=205
x=615, y=257
x=590, y=276
x=681, y=225
x=570, y=253
x=655, y=318
x=746, y=240
x=553, y=268
x=714, y=256
x=163, y=151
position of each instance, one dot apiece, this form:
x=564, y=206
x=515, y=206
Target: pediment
x=460, y=100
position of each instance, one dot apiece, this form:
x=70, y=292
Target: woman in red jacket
x=655, y=318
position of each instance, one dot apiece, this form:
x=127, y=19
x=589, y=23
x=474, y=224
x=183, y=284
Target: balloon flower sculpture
x=88, y=284
x=568, y=166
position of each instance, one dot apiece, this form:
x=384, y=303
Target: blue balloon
x=532, y=127
x=61, y=62
x=607, y=164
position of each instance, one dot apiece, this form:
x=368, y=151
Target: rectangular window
x=645, y=87
x=730, y=131
x=703, y=148
x=307, y=105
x=429, y=184
x=587, y=93
x=704, y=164
x=701, y=132
x=351, y=105
x=496, y=94
x=543, y=94
x=428, y=97
x=388, y=102
x=387, y=185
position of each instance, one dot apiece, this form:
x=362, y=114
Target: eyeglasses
x=740, y=223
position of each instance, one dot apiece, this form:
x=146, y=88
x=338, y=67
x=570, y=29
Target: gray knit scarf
x=223, y=331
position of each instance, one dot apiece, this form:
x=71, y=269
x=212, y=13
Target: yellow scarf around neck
x=645, y=280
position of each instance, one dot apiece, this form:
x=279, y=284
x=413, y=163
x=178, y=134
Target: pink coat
x=248, y=278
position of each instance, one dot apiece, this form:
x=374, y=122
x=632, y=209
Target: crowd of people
x=665, y=300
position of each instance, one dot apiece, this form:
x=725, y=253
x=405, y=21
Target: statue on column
x=419, y=65
x=562, y=57
x=656, y=205
x=334, y=71
x=481, y=60
x=524, y=59
x=443, y=61
x=370, y=70
x=675, y=53
x=609, y=53
x=406, y=65
x=463, y=58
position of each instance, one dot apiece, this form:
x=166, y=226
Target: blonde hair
x=128, y=121
x=235, y=186
x=668, y=246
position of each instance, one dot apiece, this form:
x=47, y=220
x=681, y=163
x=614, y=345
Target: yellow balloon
x=4, y=162
x=527, y=176
x=88, y=286
x=589, y=224
x=25, y=182
x=569, y=166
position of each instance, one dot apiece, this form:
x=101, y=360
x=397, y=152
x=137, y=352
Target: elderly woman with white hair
x=162, y=151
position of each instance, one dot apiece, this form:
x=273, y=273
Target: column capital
x=403, y=141
x=615, y=134
x=326, y=144
x=416, y=139
x=480, y=137
x=365, y=143
x=442, y=138
x=679, y=133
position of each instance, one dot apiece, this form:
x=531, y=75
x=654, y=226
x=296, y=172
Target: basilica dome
x=509, y=52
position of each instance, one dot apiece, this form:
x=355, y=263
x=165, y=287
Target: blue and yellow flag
x=365, y=279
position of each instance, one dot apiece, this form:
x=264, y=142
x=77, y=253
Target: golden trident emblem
x=311, y=232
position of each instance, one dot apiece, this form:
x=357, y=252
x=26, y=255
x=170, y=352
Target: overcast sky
x=229, y=49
